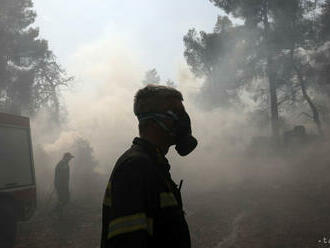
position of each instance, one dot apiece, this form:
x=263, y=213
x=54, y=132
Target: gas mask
x=185, y=143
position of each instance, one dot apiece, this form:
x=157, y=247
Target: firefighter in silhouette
x=142, y=205
x=62, y=182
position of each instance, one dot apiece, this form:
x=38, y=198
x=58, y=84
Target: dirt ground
x=286, y=207
x=80, y=227
x=216, y=220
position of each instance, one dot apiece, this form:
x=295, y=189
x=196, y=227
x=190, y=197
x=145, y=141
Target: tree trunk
x=271, y=76
x=56, y=106
x=273, y=100
x=316, y=115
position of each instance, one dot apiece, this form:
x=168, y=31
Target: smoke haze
x=223, y=178
x=100, y=109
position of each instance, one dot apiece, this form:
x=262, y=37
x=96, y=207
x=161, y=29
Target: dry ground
x=282, y=203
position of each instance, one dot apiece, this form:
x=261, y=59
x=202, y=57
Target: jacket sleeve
x=127, y=220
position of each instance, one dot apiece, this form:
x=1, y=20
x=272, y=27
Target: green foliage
x=223, y=24
x=266, y=48
x=219, y=58
x=170, y=83
x=29, y=74
x=325, y=20
x=151, y=77
x=249, y=10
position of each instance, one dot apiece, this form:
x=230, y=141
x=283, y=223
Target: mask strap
x=157, y=116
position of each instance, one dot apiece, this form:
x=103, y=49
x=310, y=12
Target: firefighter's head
x=163, y=118
x=68, y=156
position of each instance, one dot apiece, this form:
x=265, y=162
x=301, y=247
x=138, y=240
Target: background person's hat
x=68, y=155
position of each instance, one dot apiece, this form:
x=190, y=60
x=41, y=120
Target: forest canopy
x=279, y=52
x=30, y=77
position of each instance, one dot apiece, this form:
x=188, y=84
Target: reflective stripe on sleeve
x=107, y=196
x=167, y=199
x=129, y=224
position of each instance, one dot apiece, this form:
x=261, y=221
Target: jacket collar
x=153, y=151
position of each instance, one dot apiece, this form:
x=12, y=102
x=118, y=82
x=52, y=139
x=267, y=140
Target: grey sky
x=154, y=27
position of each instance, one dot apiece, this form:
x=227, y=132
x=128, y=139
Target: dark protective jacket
x=62, y=180
x=142, y=206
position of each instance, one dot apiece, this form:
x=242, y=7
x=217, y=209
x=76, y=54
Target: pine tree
x=30, y=77
x=151, y=77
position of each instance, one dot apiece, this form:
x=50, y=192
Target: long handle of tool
x=180, y=185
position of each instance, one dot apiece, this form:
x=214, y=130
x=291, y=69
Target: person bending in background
x=142, y=206
x=62, y=182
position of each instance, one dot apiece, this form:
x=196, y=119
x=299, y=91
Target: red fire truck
x=17, y=178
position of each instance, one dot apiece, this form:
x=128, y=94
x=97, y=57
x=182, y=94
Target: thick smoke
x=225, y=179
x=99, y=114
x=100, y=110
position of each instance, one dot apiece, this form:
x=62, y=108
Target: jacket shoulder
x=59, y=165
x=133, y=159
